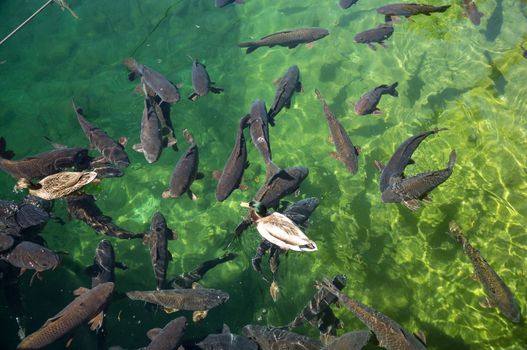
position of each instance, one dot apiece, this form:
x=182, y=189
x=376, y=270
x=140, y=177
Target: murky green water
x=451, y=74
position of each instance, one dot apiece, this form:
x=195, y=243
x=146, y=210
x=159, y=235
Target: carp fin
x=92, y=270
x=192, y=196
x=172, y=235
x=154, y=332
x=420, y=335
x=96, y=322
x=121, y=265
x=170, y=310
x=216, y=90
x=138, y=147
x=199, y=176
x=376, y=111
x=487, y=303
x=292, y=46
x=299, y=87
x=80, y=291
x=225, y=329
x=199, y=315
x=193, y=96
x=169, y=255
x=412, y=204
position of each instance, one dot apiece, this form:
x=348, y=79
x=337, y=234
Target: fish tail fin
x=250, y=45
x=392, y=91
x=442, y=8
x=5, y=153
x=131, y=64
x=452, y=160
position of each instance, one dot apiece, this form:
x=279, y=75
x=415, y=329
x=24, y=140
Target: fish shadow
x=496, y=75
x=293, y=10
x=416, y=83
x=495, y=22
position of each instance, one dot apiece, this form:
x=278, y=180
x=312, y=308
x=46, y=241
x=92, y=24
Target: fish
x=15, y=217
x=320, y=302
x=185, y=172
x=43, y=164
x=346, y=4
x=82, y=206
x=186, y=279
x=287, y=85
x=408, y=10
x=367, y=104
x=232, y=173
x=290, y=38
x=6, y=241
x=104, y=264
x=28, y=255
x=524, y=53
x=201, y=82
x=182, y=299
x=259, y=130
x=376, y=35
x=411, y=190
x=389, y=333
x=169, y=337
x=112, y=151
x=226, y=341
x=65, y=6
x=166, y=90
x=275, y=189
x=346, y=152
x=299, y=212
x=471, y=11
x=401, y=158
x=355, y=340
x=151, y=139
x=222, y=3
x=498, y=293
x=157, y=239
x=270, y=338
x=88, y=305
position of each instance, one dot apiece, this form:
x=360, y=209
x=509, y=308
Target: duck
x=57, y=185
x=279, y=229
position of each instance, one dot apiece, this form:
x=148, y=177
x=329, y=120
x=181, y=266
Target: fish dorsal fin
x=282, y=32
x=80, y=291
x=225, y=329
x=54, y=318
x=172, y=235
x=154, y=332
x=420, y=335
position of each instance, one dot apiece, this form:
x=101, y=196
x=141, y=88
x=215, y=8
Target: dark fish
x=185, y=171
x=6, y=241
x=5, y=153
x=232, y=174
x=389, y=333
x=471, y=11
x=290, y=38
x=524, y=51
x=201, y=82
x=346, y=4
x=182, y=299
x=269, y=195
x=185, y=280
x=287, y=85
x=226, y=341
x=259, y=129
x=498, y=294
x=299, y=212
x=367, y=104
x=375, y=35
x=165, y=89
x=83, y=207
x=345, y=151
x=221, y=3
x=44, y=164
x=410, y=191
x=270, y=338
x=320, y=302
x=349, y=341
x=157, y=239
x=88, y=305
x=16, y=217
x=150, y=136
x=408, y=10
x=169, y=337
x=28, y=255
x=111, y=150
x=104, y=264
x=401, y=158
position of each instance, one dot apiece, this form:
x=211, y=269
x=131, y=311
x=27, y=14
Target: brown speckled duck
x=57, y=185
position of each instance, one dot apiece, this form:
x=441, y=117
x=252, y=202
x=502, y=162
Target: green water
x=451, y=74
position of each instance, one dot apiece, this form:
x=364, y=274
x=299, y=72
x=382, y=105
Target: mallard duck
x=57, y=185
x=279, y=229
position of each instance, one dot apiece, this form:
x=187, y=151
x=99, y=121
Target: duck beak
x=245, y=205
